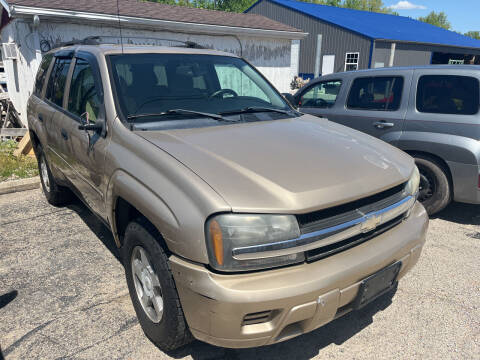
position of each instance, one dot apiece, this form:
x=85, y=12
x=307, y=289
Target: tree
x=473, y=34
x=242, y=5
x=437, y=19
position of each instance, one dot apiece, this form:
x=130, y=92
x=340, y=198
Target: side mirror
x=291, y=99
x=98, y=126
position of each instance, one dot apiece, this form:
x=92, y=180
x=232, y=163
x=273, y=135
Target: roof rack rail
x=98, y=40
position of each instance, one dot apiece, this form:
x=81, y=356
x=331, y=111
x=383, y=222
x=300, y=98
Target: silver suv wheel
x=147, y=285
x=44, y=173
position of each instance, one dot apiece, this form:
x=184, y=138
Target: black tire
x=56, y=195
x=171, y=332
x=435, y=189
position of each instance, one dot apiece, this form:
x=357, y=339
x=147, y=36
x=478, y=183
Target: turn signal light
x=217, y=241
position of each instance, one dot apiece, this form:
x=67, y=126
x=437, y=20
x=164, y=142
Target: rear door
x=376, y=104
x=445, y=102
x=53, y=115
x=87, y=148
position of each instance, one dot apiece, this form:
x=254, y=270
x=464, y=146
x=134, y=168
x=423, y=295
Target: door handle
x=40, y=117
x=383, y=124
x=64, y=134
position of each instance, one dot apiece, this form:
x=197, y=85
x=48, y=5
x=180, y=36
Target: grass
x=12, y=167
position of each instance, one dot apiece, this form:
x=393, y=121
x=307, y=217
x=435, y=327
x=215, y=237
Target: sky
x=462, y=14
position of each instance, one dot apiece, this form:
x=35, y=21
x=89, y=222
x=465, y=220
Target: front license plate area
x=377, y=285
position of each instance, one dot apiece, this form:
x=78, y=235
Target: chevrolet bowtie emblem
x=371, y=222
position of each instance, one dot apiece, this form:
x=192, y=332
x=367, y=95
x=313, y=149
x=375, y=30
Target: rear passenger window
x=58, y=78
x=376, y=93
x=42, y=73
x=448, y=94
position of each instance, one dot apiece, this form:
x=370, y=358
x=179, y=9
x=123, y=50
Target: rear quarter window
x=58, y=78
x=42, y=74
x=382, y=93
x=448, y=94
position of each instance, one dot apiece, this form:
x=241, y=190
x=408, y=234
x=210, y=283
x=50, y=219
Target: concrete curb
x=12, y=186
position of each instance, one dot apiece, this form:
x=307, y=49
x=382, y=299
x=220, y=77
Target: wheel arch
x=440, y=161
x=129, y=199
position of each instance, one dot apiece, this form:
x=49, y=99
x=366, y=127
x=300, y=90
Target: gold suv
x=241, y=221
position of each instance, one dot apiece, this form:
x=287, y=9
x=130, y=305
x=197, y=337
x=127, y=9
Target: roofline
x=19, y=10
x=427, y=43
x=5, y=6
x=357, y=32
x=313, y=17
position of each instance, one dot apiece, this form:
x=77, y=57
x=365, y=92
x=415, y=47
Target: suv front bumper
x=222, y=309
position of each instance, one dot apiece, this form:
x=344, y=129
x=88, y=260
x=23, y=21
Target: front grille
x=329, y=250
x=325, y=218
x=257, y=318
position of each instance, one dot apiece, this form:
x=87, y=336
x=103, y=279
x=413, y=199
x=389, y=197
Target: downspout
x=392, y=54
x=372, y=46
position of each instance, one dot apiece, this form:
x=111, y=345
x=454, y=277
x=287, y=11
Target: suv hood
x=286, y=166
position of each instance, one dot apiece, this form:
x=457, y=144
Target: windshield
x=150, y=85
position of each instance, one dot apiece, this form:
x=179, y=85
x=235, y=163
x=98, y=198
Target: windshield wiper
x=177, y=112
x=255, y=110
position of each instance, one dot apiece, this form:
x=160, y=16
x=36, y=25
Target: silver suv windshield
x=172, y=87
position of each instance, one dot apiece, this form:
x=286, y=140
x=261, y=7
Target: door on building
x=328, y=64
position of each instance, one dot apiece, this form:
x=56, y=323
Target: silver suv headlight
x=226, y=232
x=413, y=183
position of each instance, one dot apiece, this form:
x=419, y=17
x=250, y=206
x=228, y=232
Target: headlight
x=227, y=232
x=413, y=184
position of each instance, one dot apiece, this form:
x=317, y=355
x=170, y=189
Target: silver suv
x=430, y=112
x=240, y=221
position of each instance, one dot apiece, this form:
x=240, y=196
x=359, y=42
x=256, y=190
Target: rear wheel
x=56, y=195
x=435, y=190
x=152, y=287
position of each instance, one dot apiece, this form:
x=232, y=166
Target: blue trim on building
x=378, y=26
x=372, y=45
x=307, y=76
x=310, y=16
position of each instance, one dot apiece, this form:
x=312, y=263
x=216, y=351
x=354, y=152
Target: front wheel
x=152, y=287
x=435, y=190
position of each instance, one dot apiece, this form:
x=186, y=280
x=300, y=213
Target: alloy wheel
x=147, y=285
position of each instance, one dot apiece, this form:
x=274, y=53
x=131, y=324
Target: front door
x=376, y=105
x=87, y=148
x=328, y=64
x=320, y=97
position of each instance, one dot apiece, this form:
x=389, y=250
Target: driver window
x=232, y=78
x=321, y=95
x=83, y=93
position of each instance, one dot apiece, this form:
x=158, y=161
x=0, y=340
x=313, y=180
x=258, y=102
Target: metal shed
x=31, y=27
x=344, y=39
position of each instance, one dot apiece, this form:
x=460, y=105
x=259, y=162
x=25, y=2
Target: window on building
x=376, y=93
x=83, y=97
x=448, y=94
x=58, y=78
x=351, y=61
x=321, y=95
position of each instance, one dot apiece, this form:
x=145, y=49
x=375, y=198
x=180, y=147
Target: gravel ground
x=63, y=295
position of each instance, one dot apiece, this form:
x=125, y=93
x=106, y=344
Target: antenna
x=119, y=24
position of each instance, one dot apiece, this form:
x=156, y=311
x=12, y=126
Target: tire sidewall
x=442, y=195
x=41, y=157
x=160, y=333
